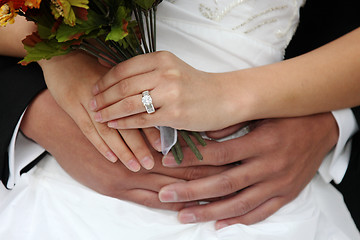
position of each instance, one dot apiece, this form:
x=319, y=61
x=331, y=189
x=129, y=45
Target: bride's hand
x=184, y=97
x=70, y=79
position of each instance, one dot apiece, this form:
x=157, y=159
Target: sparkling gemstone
x=146, y=100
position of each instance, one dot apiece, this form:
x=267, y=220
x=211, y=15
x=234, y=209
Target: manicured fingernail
x=169, y=161
x=157, y=145
x=95, y=89
x=168, y=196
x=112, y=124
x=147, y=163
x=111, y=157
x=98, y=117
x=133, y=165
x=220, y=225
x=93, y=104
x=187, y=218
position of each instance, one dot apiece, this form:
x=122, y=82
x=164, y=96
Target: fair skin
x=72, y=91
x=184, y=96
x=261, y=149
x=50, y=126
x=293, y=160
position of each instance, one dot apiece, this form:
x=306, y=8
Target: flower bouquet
x=111, y=30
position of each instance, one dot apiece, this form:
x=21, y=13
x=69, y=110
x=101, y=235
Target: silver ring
x=147, y=102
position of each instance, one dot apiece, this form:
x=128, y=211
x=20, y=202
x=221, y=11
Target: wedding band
x=147, y=102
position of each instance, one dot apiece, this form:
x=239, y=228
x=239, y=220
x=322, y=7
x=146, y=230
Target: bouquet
x=111, y=30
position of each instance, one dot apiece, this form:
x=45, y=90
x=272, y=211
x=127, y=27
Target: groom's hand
x=271, y=165
x=46, y=123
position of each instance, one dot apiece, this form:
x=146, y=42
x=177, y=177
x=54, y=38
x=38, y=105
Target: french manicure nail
x=187, y=218
x=111, y=156
x=157, y=144
x=168, y=196
x=93, y=104
x=98, y=117
x=112, y=124
x=133, y=165
x=95, y=89
x=169, y=161
x=147, y=163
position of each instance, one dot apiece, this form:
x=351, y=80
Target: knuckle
x=193, y=173
x=105, y=131
x=141, y=120
x=128, y=106
x=227, y=184
x=202, y=215
x=87, y=127
x=148, y=201
x=122, y=87
x=241, y=208
x=221, y=155
x=188, y=194
x=163, y=56
x=174, y=113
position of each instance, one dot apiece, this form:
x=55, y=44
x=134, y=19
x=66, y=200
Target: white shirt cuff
x=336, y=162
x=22, y=151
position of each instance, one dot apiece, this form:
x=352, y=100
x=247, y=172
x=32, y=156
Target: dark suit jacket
x=26, y=83
x=321, y=22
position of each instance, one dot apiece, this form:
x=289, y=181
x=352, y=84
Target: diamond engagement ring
x=147, y=101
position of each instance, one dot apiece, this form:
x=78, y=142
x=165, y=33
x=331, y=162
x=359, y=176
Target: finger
x=239, y=205
x=218, y=153
x=126, y=69
x=153, y=136
x=135, y=141
x=140, y=120
x=88, y=128
x=126, y=107
x=226, y=131
x=115, y=142
x=133, y=105
x=124, y=88
x=219, y=185
x=150, y=199
x=258, y=214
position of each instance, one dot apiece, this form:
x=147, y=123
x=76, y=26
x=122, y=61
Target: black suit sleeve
x=19, y=85
x=321, y=22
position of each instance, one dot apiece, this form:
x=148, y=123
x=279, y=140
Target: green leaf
x=144, y=4
x=44, y=50
x=94, y=22
x=119, y=26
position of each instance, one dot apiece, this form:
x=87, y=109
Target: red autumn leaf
x=81, y=13
x=32, y=39
x=125, y=25
x=76, y=36
x=16, y=3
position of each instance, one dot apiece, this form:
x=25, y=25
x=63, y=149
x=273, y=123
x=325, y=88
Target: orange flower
x=7, y=14
x=32, y=3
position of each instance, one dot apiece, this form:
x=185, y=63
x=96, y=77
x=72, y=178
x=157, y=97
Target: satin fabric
x=48, y=204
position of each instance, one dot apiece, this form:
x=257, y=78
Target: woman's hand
x=70, y=79
x=184, y=98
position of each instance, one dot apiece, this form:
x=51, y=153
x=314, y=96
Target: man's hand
x=46, y=123
x=272, y=164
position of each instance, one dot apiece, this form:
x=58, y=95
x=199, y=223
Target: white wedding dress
x=214, y=36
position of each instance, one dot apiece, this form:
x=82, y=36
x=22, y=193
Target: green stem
x=148, y=31
x=198, y=138
x=139, y=18
x=91, y=52
x=110, y=50
x=190, y=143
